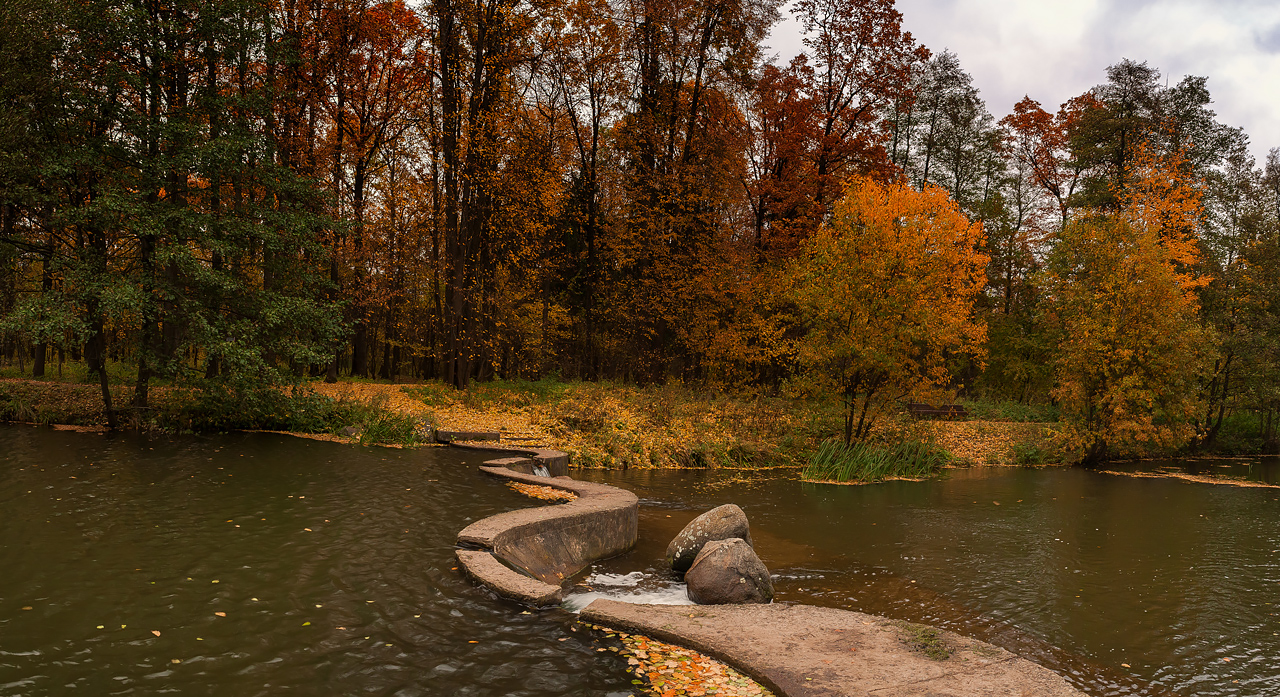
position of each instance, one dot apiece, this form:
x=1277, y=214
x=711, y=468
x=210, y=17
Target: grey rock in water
x=728, y=572
x=719, y=523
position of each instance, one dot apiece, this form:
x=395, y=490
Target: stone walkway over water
x=806, y=651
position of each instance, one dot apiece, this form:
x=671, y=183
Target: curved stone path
x=547, y=543
x=807, y=651
x=794, y=650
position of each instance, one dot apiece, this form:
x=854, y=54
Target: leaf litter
x=545, y=493
x=667, y=670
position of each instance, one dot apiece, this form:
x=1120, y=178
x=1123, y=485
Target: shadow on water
x=1080, y=571
x=268, y=565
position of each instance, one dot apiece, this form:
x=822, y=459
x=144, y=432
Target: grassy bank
x=617, y=426
x=602, y=425
x=212, y=409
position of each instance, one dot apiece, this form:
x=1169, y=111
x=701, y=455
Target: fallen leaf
x=156, y=632
x=220, y=614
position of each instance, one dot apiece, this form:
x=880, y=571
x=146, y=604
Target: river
x=259, y=564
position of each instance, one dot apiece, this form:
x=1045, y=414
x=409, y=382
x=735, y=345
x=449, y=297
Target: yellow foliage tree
x=886, y=290
x=1120, y=293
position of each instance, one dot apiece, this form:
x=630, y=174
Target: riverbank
x=611, y=426
x=601, y=425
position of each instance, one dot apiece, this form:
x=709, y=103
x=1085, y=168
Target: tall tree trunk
x=46, y=286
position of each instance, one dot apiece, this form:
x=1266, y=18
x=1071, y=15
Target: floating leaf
x=156, y=632
x=305, y=623
x=220, y=614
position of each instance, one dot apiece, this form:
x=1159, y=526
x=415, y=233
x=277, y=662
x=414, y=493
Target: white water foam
x=635, y=587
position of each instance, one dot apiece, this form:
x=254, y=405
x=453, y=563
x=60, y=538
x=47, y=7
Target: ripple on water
x=332, y=567
x=1125, y=586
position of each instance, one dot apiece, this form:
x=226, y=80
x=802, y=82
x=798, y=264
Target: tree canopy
x=240, y=191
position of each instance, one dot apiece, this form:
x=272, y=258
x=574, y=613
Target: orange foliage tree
x=887, y=291
x=1121, y=294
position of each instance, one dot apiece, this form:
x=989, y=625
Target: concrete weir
x=794, y=650
x=527, y=554
x=807, y=651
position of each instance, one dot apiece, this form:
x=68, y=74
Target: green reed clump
x=865, y=462
x=380, y=425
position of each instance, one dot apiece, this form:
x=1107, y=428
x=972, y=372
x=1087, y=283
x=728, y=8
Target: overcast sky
x=1053, y=50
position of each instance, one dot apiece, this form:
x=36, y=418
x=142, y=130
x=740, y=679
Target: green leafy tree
x=155, y=201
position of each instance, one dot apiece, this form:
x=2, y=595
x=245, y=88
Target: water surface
x=1080, y=571
x=332, y=564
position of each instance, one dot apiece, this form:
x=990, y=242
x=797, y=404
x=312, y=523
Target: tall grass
x=382, y=425
x=863, y=462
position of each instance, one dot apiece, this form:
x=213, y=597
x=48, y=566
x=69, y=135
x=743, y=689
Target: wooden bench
x=944, y=411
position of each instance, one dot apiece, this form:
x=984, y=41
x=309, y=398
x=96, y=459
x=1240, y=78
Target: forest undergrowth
x=601, y=424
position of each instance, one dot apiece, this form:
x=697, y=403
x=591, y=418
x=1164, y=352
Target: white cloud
x=1053, y=50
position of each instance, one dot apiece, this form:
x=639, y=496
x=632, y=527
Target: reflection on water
x=1081, y=571
x=267, y=565
x=1265, y=470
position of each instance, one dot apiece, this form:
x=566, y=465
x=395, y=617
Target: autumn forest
x=256, y=192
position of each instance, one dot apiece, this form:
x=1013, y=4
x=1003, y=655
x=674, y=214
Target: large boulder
x=728, y=572
x=719, y=523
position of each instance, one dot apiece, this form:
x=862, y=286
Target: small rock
x=719, y=523
x=728, y=572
